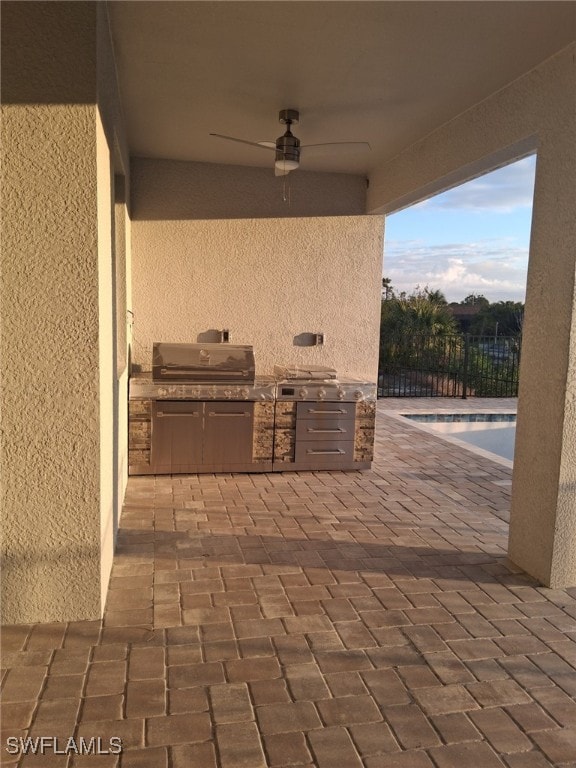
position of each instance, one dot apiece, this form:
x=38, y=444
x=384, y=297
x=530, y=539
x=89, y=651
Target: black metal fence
x=449, y=366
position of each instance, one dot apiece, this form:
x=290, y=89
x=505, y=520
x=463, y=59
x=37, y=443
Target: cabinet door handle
x=225, y=413
x=162, y=415
x=335, y=452
x=338, y=411
x=327, y=431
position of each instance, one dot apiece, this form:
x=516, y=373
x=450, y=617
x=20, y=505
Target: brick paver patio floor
x=324, y=619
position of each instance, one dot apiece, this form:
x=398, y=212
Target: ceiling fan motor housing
x=287, y=145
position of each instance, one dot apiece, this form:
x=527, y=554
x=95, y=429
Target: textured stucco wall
x=57, y=359
x=268, y=281
x=169, y=189
x=114, y=337
x=538, y=111
x=51, y=559
x=107, y=356
x=548, y=374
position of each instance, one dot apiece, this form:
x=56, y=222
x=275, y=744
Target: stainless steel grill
x=317, y=383
x=193, y=429
x=186, y=425
x=202, y=372
x=203, y=362
x=324, y=417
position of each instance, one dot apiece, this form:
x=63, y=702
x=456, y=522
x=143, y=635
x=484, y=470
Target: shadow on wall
x=306, y=340
x=210, y=336
x=173, y=190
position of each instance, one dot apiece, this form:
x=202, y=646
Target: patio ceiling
x=383, y=72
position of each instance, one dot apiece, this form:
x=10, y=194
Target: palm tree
x=387, y=290
x=417, y=314
x=415, y=329
x=436, y=296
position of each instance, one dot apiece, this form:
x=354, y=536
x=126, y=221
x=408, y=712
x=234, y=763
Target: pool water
x=493, y=432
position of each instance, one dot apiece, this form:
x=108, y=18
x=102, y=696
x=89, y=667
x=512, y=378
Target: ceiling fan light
x=286, y=164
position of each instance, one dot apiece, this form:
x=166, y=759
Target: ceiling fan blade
x=262, y=145
x=338, y=143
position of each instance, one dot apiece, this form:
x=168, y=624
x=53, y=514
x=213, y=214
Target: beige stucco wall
x=538, y=111
x=107, y=354
x=51, y=559
x=267, y=281
x=56, y=356
x=174, y=190
x=114, y=337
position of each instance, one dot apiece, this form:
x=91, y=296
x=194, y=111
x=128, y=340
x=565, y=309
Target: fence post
x=466, y=363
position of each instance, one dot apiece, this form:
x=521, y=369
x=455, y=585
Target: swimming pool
x=492, y=432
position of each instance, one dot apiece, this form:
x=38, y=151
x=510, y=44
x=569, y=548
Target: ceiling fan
x=287, y=147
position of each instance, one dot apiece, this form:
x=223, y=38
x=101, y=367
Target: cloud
x=500, y=191
x=460, y=243
x=493, y=267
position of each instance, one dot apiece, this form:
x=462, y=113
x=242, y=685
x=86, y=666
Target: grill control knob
x=228, y=393
x=244, y=391
x=321, y=394
x=358, y=394
x=303, y=393
x=340, y=393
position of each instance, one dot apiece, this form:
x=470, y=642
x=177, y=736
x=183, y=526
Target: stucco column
x=543, y=517
x=50, y=335
x=537, y=112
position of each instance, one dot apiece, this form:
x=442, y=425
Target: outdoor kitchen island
x=202, y=409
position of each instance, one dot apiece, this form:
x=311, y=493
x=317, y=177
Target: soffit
x=383, y=72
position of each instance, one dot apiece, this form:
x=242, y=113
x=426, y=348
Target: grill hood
x=202, y=362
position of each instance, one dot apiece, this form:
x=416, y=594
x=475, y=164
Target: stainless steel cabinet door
x=176, y=436
x=228, y=431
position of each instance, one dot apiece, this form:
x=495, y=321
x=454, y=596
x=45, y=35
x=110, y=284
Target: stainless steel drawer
x=324, y=452
x=326, y=410
x=325, y=428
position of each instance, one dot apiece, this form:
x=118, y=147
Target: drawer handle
x=314, y=410
x=335, y=452
x=224, y=413
x=162, y=415
x=327, y=431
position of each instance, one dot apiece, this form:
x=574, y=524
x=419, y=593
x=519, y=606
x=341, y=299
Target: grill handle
x=162, y=415
x=228, y=414
x=335, y=452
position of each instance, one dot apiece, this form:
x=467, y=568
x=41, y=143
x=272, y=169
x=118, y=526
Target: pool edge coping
x=421, y=425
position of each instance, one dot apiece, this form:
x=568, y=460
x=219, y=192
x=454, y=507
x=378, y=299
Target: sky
x=472, y=239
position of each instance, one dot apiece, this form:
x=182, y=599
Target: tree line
x=426, y=342
x=426, y=310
